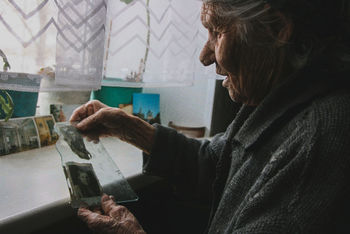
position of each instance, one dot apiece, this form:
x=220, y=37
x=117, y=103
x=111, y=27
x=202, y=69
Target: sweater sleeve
x=187, y=163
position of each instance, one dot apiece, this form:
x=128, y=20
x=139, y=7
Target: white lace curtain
x=133, y=43
x=65, y=35
x=153, y=42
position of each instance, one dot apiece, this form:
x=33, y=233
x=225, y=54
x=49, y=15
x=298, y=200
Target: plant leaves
x=7, y=105
x=126, y=1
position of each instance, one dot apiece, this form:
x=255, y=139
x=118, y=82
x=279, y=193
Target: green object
x=6, y=66
x=113, y=96
x=24, y=104
x=6, y=104
x=126, y=1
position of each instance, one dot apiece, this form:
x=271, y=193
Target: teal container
x=113, y=96
x=24, y=104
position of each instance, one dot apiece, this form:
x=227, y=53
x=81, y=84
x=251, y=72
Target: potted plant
x=5, y=99
x=7, y=105
x=15, y=103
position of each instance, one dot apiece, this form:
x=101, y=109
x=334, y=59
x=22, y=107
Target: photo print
x=74, y=139
x=45, y=126
x=18, y=135
x=83, y=183
x=78, y=154
x=146, y=107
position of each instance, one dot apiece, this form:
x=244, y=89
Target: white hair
x=242, y=9
x=308, y=42
x=246, y=11
x=242, y=12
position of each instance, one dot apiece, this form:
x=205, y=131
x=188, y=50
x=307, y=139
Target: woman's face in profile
x=246, y=52
x=219, y=48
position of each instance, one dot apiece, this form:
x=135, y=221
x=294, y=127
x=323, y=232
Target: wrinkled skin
x=94, y=120
x=110, y=219
x=218, y=48
x=251, y=55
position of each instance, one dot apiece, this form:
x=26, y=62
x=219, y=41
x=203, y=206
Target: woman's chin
x=225, y=82
x=232, y=96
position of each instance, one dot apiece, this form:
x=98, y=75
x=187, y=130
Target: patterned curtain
x=134, y=43
x=65, y=35
x=153, y=43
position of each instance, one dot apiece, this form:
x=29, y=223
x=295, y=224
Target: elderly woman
x=283, y=163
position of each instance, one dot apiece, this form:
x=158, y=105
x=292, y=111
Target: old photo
x=83, y=180
x=18, y=135
x=74, y=139
x=45, y=125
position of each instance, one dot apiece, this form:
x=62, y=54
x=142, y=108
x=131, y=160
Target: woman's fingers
x=86, y=110
x=91, y=122
x=107, y=204
x=78, y=114
x=115, y=218
x=96, y=221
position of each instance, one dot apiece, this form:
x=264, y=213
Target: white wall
x=186, y=106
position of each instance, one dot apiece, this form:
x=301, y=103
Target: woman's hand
x=86, y=110
x=94, y=120
x=112, y=218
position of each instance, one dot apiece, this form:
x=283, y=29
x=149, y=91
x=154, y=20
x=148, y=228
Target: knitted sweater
x=281, y=167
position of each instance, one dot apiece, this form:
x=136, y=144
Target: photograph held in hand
x=75, y=141
x=83, y=180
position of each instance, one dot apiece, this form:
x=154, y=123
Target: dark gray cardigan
x=282, y=167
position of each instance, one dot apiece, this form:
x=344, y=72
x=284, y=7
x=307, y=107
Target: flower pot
x=24, y=104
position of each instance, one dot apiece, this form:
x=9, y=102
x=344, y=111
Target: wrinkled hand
x=112, y=218
x=96, y=120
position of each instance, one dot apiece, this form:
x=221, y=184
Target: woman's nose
x=207, y=56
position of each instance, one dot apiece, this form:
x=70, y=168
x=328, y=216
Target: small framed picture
x=146, y=107
x=83, y=183
x=45, y=125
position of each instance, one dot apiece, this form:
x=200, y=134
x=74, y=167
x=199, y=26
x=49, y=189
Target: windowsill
x=33, y=188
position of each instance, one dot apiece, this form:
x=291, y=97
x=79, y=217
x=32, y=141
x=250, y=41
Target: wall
x=187, y=106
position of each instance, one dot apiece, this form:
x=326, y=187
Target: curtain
x=81, y=43
x=153, y=43
x=64, y=36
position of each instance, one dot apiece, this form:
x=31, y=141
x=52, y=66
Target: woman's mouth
x=220, y=71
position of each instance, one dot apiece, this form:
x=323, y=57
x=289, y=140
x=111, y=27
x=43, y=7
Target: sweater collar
x=301, y=88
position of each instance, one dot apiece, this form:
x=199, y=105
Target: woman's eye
x=215, y=33
x=218, y=34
